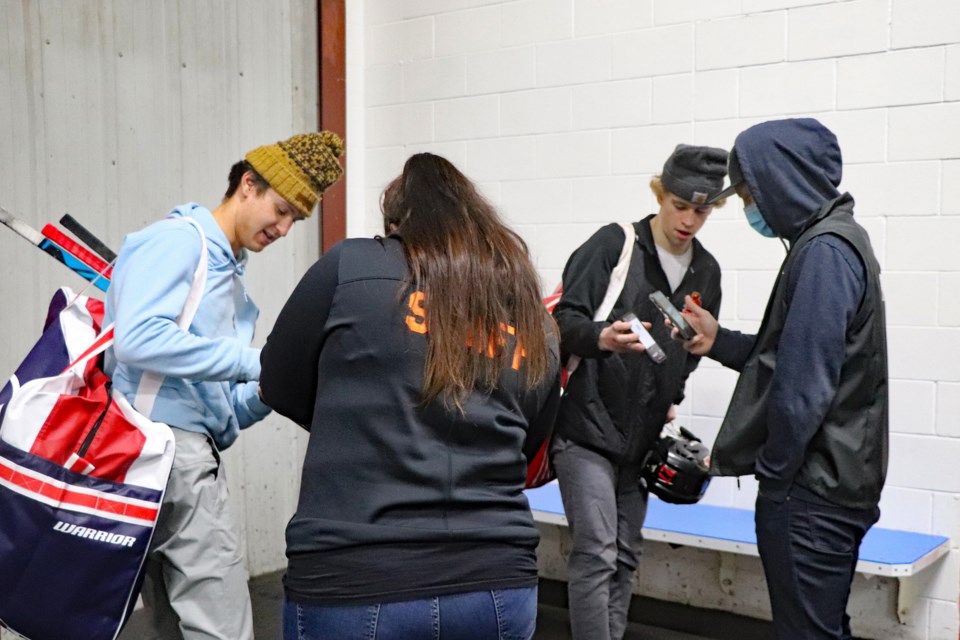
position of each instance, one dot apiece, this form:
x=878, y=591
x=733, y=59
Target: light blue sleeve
x=150, y=283
x=247, y=404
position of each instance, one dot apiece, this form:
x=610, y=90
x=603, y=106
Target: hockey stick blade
x=35, y=238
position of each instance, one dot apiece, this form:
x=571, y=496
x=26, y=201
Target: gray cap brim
x=726, y=193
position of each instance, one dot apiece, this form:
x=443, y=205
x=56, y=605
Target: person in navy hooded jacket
x=808, y=416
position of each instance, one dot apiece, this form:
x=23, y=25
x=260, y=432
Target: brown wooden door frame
x=333, y=112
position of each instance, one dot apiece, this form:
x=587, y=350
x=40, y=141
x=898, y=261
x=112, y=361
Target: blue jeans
x=500, y=614
x=809, y=553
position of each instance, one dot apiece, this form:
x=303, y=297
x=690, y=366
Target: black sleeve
x=731, y=348
x=585, y=281
x=548, y=403
x=288, y=377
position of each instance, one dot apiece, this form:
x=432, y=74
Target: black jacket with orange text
x=399, y=499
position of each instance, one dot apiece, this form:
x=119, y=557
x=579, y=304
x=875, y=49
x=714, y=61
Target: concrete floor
x=552, y=620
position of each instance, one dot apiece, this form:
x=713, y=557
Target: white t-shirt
x=675, y=266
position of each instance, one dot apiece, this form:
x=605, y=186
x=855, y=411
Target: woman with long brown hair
x=425, y=368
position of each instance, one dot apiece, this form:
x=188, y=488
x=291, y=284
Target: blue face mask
x=757, y=222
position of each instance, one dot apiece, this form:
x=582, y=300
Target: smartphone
x=663, y=303
x=653, y=349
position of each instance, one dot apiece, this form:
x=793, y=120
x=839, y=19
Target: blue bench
x=884, y=552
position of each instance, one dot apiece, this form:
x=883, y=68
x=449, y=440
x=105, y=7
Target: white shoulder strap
x=150, y=382
x=618, y=277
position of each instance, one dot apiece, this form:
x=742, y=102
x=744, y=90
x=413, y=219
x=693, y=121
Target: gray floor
x=552, y=623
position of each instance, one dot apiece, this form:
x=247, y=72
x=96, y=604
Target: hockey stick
x=86, y=237
x=78, y=250
x=46, y=245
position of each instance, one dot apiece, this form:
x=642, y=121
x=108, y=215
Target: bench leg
x=728, y=572
x=906, y=597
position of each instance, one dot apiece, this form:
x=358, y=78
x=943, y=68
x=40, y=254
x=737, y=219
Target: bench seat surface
x=880, y=546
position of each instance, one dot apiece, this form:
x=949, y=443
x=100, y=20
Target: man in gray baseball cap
x=618, y=400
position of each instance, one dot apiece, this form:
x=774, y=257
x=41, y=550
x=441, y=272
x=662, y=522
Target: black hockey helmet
x=675, y=469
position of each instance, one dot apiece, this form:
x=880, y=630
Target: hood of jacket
x=220, y=253
x=793, y=168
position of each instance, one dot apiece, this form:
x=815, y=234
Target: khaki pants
x=196, y=584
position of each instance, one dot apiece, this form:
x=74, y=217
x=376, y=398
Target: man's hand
x=620, y=338
x=703, y=323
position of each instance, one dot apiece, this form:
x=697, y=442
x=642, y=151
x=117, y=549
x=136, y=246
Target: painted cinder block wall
x=563, y=109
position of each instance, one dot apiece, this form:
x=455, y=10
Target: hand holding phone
x=676, y=318
x=653, y=350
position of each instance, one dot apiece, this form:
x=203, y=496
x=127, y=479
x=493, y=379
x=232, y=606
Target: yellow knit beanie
x=301, y=168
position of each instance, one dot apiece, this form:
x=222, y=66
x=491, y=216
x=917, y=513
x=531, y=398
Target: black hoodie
x=810, y=407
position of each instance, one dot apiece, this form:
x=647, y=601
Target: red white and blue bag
x=82, y=475
x=82, y=478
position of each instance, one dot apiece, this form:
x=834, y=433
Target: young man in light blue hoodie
x=196, y=583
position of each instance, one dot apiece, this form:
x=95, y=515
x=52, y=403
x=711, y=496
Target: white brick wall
x=949, y=303
x=671, y=11
x=741, y=41
x=948, y=410
x=716, y=94
x=563, y=109
x=878, y=188
x=502, y=158
x=398, y=41
x=925, y=132
x=792, y=88
x=951, y=187
x=909, y=76
x=415, y=8
x=505, y=70
x=434, y=78
x=952, y=90
x=673, y=98
x=862, y=134
x=573, y=62
x=611, y=105
x=466, y=118
x=643, y=150
x=929, y=23
x=837, y=29
x=569, y=155
x=653, y=51
x=756, y=6
x=537, y=201
x=468, y=31
x=912, y=406
x=609, y=198
x=538, y=111
x=384, y=85
x=535, y=21
x=595, y=17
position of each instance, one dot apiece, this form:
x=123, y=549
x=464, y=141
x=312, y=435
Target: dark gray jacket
x=809, y=411
x=399, y=498
x=616, y=403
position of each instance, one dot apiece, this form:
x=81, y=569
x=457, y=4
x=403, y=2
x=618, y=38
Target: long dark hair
x=476, y=276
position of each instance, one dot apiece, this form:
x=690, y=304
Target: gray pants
x=196, y=584
x=605, y=508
